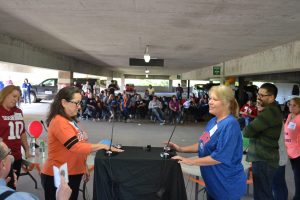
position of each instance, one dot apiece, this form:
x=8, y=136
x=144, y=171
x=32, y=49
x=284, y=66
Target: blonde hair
x=226, y=94
x=7, y=90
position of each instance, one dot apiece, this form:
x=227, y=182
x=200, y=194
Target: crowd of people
x=272, y=141
x=126, y=106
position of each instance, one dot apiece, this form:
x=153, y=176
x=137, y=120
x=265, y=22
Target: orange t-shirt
x=292, y=136
x=67, y=143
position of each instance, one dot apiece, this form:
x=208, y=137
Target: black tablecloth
x=136, y=174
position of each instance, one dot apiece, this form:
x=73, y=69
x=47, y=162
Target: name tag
x=292, y=126
x=213, y=130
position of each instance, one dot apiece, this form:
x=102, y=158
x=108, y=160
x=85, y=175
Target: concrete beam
x=284, y=58
x=13, y=50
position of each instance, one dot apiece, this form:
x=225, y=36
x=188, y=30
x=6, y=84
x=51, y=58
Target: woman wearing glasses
x=67, y=143
x=292, y=141
x=12, y=127
x=220, y=148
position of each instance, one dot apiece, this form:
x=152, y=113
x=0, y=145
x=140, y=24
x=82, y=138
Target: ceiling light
x=147, y=75
x=147, y=55
x=147, y=71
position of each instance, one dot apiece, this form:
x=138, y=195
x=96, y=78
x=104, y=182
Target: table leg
x=196, y=188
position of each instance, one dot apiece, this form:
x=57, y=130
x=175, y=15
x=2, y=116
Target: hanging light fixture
x=147, y=75
x=147, y=55
x=147, y=71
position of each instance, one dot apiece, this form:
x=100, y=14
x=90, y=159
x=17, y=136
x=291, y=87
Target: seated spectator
x=165, y=104
x=132, y=106
x=112, y=105
x=141, y=107
x=155, y=107
x=248, y=112
x=83, y=104
x=124, y=106
x=99, y=107
x=62, y=193
x=175, y=110
x=90, y=111
x=147, y=96
x=203, y=107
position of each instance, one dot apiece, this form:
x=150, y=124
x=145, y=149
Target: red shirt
x=250, y=110
x=11, y=129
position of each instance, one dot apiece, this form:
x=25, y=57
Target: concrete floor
x=134, y=133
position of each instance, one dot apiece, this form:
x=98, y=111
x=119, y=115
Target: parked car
x=47, y=89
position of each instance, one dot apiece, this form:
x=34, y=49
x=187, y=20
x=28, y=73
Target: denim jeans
x=279, y=188
x=263, y=175
x=158, y=114
x=296, y=169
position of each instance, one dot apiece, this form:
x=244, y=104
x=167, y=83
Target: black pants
x=50, y=189
x=16, y=166
x=296, y=169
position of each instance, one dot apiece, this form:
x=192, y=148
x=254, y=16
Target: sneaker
x=162, y=123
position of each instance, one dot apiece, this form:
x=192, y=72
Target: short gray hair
x=3, y=150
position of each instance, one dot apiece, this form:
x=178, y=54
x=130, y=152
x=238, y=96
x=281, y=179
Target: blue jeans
x=280, y=190
x=263, y=175
x=158, y=114
x=296, y=169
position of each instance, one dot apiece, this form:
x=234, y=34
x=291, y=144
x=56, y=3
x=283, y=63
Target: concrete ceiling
x=188, y=34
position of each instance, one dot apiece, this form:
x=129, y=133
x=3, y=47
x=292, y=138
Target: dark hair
x=56, y=107
x=271, y=89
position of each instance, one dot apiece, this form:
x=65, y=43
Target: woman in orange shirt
x=292, y=141
x=67, y=143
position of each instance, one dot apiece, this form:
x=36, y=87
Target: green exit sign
x=216, y=70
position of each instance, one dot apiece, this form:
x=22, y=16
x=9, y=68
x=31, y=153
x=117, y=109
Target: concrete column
x=241, y=97
x=65, y=78
x=122, y=84
x=188, y=89
x=183, y=83
x=108, y=81
x=170, y=85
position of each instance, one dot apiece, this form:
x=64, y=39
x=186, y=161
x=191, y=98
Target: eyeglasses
x=76, y=103
x=263, y=95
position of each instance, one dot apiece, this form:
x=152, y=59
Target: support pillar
x=122, y=84
x=170, y=85
x=65, y=78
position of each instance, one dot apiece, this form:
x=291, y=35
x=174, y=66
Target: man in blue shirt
x=63, y=191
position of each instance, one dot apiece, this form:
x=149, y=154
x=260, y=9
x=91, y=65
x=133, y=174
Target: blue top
x=223, y=142
x=1, y=85
x=15, y=195
x=26, y=86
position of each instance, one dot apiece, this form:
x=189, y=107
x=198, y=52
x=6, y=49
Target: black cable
x=44, y=126
x=109, y=153
x=163, y=182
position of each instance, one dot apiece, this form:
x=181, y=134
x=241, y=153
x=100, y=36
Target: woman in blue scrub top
x=220, y=148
